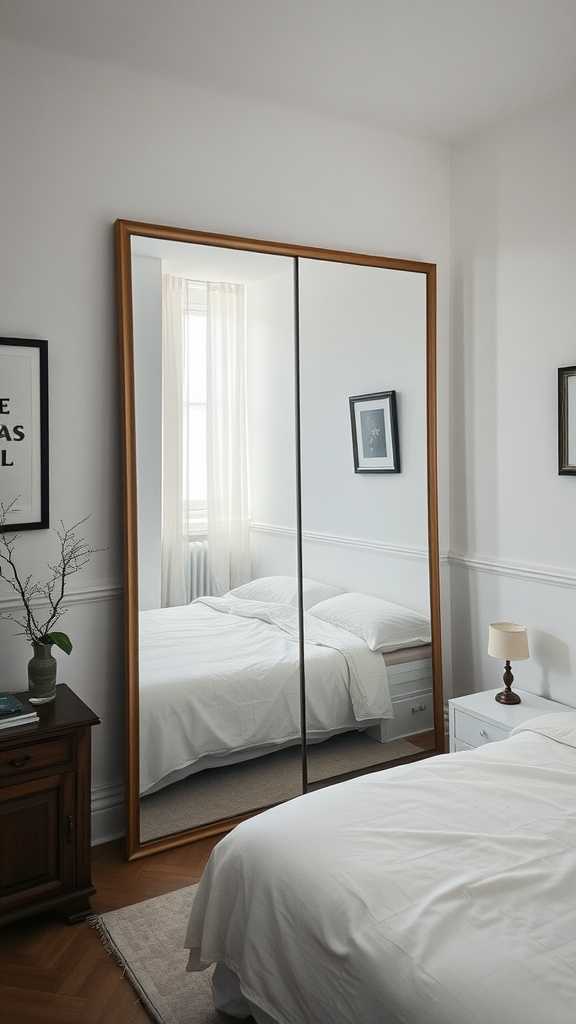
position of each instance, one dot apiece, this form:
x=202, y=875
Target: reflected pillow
x=383, y=625
x=284, y=590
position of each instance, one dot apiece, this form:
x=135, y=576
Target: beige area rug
x=146, y=939
x=238, y=789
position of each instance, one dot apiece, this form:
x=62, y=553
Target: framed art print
x=375, y=433
x=24, y=433
x=567, y=420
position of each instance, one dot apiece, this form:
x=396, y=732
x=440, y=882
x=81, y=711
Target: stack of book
x=14, y=712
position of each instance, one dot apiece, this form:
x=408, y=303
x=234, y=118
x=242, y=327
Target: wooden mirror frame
x=125, y=229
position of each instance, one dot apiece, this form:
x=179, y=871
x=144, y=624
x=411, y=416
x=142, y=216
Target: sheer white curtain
x=175, y=573
x=228, y=496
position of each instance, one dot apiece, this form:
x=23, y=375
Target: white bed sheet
x=442, y=892
x=221, y=677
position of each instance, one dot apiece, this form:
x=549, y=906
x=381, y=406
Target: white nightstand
x=477, y=718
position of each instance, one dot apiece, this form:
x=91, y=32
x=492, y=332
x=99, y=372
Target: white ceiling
x=210, y=263
x=440, y=67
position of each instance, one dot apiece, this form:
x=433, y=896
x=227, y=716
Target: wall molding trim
x=528, y=572
x=417, y=553
x=107, y=812
x=532, y=572
x=107, y=801
x=105, y=591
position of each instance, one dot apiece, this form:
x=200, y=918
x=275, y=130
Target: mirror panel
x=236, y=480
x=363, y=415
x=214, y=409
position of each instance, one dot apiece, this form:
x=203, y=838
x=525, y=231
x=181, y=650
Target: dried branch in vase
x=73, y=556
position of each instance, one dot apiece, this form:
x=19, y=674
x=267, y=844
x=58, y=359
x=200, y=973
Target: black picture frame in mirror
x=375, y=437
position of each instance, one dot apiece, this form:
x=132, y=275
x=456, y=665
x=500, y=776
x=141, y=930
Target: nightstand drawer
x=32, y=757
x=412, y=715
x=475, y=731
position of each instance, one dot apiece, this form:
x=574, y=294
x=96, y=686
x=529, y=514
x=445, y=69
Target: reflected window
x=194, y=468
x=205, y=485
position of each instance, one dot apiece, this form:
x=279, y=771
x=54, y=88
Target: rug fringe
x=96, y=922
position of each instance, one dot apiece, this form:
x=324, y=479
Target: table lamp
x=508, y=642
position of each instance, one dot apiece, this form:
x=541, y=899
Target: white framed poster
x=24, y=433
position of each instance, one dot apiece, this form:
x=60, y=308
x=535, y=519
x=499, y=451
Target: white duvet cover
x=221, y=677
x=442, y=892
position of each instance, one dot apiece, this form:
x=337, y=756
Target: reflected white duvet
x=220, y=677
x=442, y=892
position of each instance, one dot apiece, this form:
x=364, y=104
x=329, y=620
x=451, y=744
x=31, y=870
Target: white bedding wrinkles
x=442, y=892
x=222, y=675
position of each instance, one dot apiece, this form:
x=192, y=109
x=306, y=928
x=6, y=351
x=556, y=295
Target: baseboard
x=108, y=813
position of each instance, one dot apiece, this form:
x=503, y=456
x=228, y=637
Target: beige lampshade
x=508, y=641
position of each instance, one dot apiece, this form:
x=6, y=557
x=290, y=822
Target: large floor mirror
x=281, y=550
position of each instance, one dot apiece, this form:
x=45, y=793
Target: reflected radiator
x=198, y=568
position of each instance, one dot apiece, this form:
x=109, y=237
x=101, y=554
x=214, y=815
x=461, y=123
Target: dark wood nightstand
x=45, y=772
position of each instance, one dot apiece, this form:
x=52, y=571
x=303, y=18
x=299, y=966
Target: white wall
x=83, y=144
x=363, y=330
x=147, y=326
x=514, y=324
x=271, y=420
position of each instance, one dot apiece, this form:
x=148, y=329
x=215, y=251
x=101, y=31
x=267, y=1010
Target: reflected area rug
x=238, y=789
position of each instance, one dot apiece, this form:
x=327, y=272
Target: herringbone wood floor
x=54, y=973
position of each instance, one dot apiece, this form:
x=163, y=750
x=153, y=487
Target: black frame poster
x=24, y=475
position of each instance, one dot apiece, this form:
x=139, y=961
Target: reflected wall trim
x=400, y=550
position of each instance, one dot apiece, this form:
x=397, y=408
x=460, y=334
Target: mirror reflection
x=219, y=674
x=230, y=720
x=368, y=657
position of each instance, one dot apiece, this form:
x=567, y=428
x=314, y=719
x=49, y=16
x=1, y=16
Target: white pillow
x=559, y=726
x=383, y=625
x=284, y=590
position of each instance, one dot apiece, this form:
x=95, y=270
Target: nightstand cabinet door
x=37, y=820
x=45, y=811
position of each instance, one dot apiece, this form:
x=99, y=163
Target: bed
x=442, y=892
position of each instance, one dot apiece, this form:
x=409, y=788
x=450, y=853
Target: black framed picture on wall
x=375, y=440
x=24, y=434
x=567, y=420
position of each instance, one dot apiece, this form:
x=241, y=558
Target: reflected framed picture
x=24, y=433
x=375, y=433
x=567, y=420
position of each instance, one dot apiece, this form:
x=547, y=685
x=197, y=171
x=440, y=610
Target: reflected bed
x=220, y=684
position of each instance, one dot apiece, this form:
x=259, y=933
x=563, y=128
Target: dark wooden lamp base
x=507, y=696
